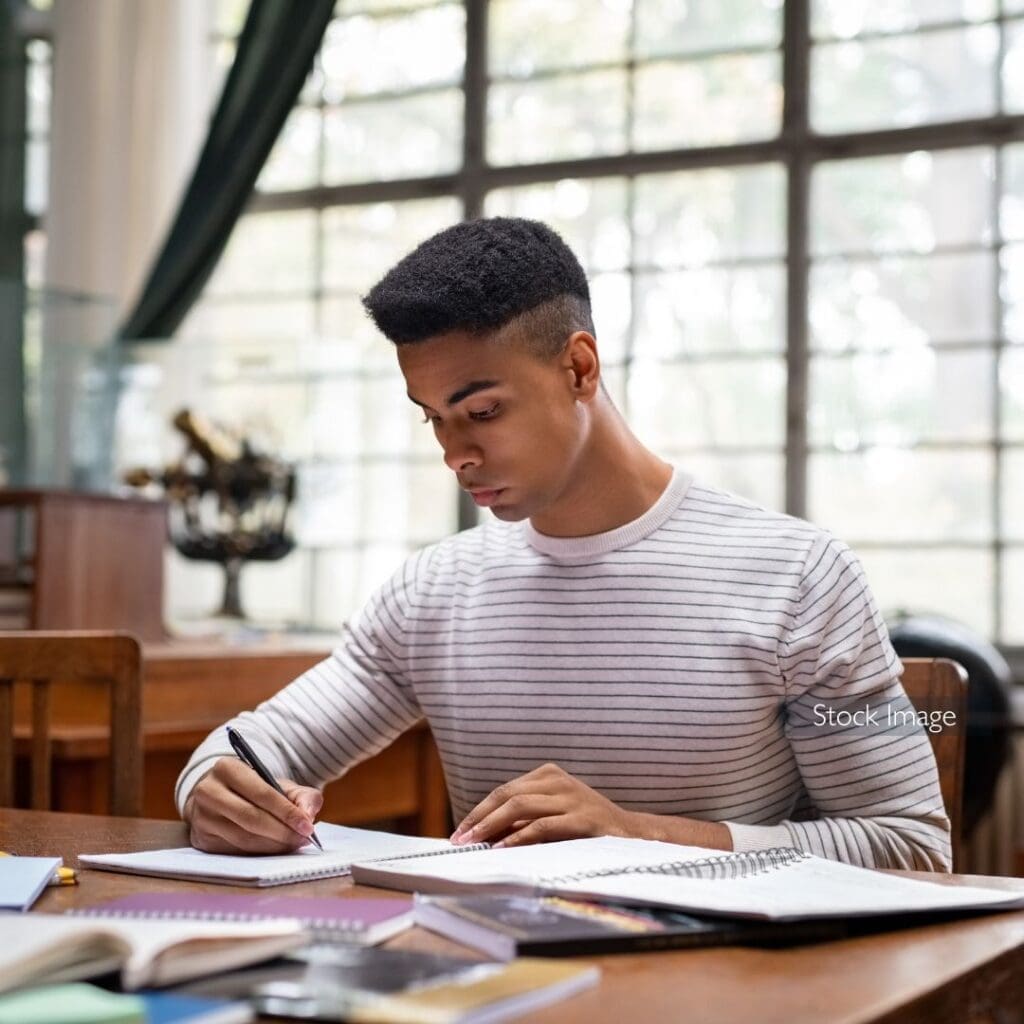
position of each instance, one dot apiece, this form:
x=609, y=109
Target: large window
x=804, y=227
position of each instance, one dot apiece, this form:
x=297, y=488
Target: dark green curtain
x=275, y=52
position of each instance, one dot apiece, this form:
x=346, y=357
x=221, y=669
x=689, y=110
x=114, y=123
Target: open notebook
x=778, y=884
x=51, y=948
x=342, y=846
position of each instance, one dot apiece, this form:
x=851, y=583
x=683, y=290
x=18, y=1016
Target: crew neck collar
x=621, y=536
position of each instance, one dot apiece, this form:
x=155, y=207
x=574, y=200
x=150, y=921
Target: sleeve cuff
x=759, y=837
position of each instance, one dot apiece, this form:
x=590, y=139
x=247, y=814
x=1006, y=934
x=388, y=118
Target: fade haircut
x=481, y=276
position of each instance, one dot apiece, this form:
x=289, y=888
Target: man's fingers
x=524, y=785
x=523, y=807
x=217, y=801
x=543, y=830
x=216, y=833
x=306, y=798
x=241, y=779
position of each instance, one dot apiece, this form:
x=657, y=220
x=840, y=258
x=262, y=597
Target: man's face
x=507, y=420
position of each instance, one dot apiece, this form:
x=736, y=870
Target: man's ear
x=582, y=365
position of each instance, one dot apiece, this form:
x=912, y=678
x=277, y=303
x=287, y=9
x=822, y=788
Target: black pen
x=248, y=755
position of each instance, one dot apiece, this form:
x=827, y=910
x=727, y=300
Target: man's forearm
x=685, y=831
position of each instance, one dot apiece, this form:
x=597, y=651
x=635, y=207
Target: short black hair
x=479, y=276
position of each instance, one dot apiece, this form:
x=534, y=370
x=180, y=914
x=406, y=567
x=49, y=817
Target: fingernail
x=303, y=827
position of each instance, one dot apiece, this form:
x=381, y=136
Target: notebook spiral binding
x=726, y=866
x=469, y=848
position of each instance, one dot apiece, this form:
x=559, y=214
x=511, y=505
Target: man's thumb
x=308, y=799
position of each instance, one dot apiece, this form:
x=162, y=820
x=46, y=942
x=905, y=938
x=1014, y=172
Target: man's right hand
x=232, y=810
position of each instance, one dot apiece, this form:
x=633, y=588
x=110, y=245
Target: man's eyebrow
x=457, y=396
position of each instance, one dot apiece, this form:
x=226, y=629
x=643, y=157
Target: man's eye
x=485, y=414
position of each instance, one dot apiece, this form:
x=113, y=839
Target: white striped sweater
x=680, y=664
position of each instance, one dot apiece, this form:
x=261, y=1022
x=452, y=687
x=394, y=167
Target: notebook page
x=342, y=846
x=808, y=888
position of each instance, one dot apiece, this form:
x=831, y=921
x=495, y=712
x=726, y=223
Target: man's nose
x=460, y=454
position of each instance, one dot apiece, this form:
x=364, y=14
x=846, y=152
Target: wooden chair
x=39, y=660
x=938, y=685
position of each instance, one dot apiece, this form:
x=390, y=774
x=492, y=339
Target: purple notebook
x=331, y=919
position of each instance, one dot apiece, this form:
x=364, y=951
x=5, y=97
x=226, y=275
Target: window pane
x=363, y=55
x=1011, y=385
x=668, y=27
x=757, y=477
x=361, y=243
x=38, y=90
x=1013, y=596
x=693, y=217
x=900, y=398
x=343, y=319
x=902, y=301
x=611, y=303
x=378, y=501
x=1013, y=494
x=1012, y=291
x=343, y=7
x=294, y=162
x=707, y=102
x=1011, y=202
x=957, y=583
x=847, y=18
x=708, y=403
x=916, y=201
x=219, y=321
x=719, y=309
x=344, y=578
x=904, y=80
x=526, y=36
x=589, y=214
x=267, y=252
x=37, y=175
x=575, y=115
x=892, y=494
x=357, y=414
x=277, y=592
x=401, y=138
x=1013, y=68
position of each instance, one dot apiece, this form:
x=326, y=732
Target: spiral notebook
x=776, y=884
x=342, y=846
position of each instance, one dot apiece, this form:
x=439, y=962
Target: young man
x=621, y=650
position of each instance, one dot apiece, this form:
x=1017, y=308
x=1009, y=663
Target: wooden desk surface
x=960, y=971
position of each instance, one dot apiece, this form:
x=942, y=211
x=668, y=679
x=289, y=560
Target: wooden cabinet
x=70, y=560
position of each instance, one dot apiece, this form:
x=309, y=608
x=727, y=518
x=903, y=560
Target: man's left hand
x=542, y=806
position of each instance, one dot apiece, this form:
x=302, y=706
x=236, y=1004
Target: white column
x=131, y=105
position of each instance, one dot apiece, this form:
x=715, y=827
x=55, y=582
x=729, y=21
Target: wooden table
x=970, y=970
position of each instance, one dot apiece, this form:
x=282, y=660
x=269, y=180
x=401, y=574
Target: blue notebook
x=22, y=879
x=172, y=1008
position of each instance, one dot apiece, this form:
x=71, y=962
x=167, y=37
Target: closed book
x=353, y=983
x=505, y=927
x=22, y=879
x=327, y=919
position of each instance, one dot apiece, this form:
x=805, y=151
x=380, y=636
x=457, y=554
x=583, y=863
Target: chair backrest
x=936, y=686
x=39, y=660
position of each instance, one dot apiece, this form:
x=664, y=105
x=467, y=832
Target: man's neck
x=615, y=481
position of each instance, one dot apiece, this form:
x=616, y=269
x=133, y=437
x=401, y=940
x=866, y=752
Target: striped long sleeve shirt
x=710, y=659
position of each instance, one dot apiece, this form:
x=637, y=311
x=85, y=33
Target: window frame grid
x=799, y=149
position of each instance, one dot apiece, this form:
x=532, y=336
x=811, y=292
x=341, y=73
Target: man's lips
x=485, y=497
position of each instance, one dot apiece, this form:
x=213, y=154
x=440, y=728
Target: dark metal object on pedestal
x=228, y=502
